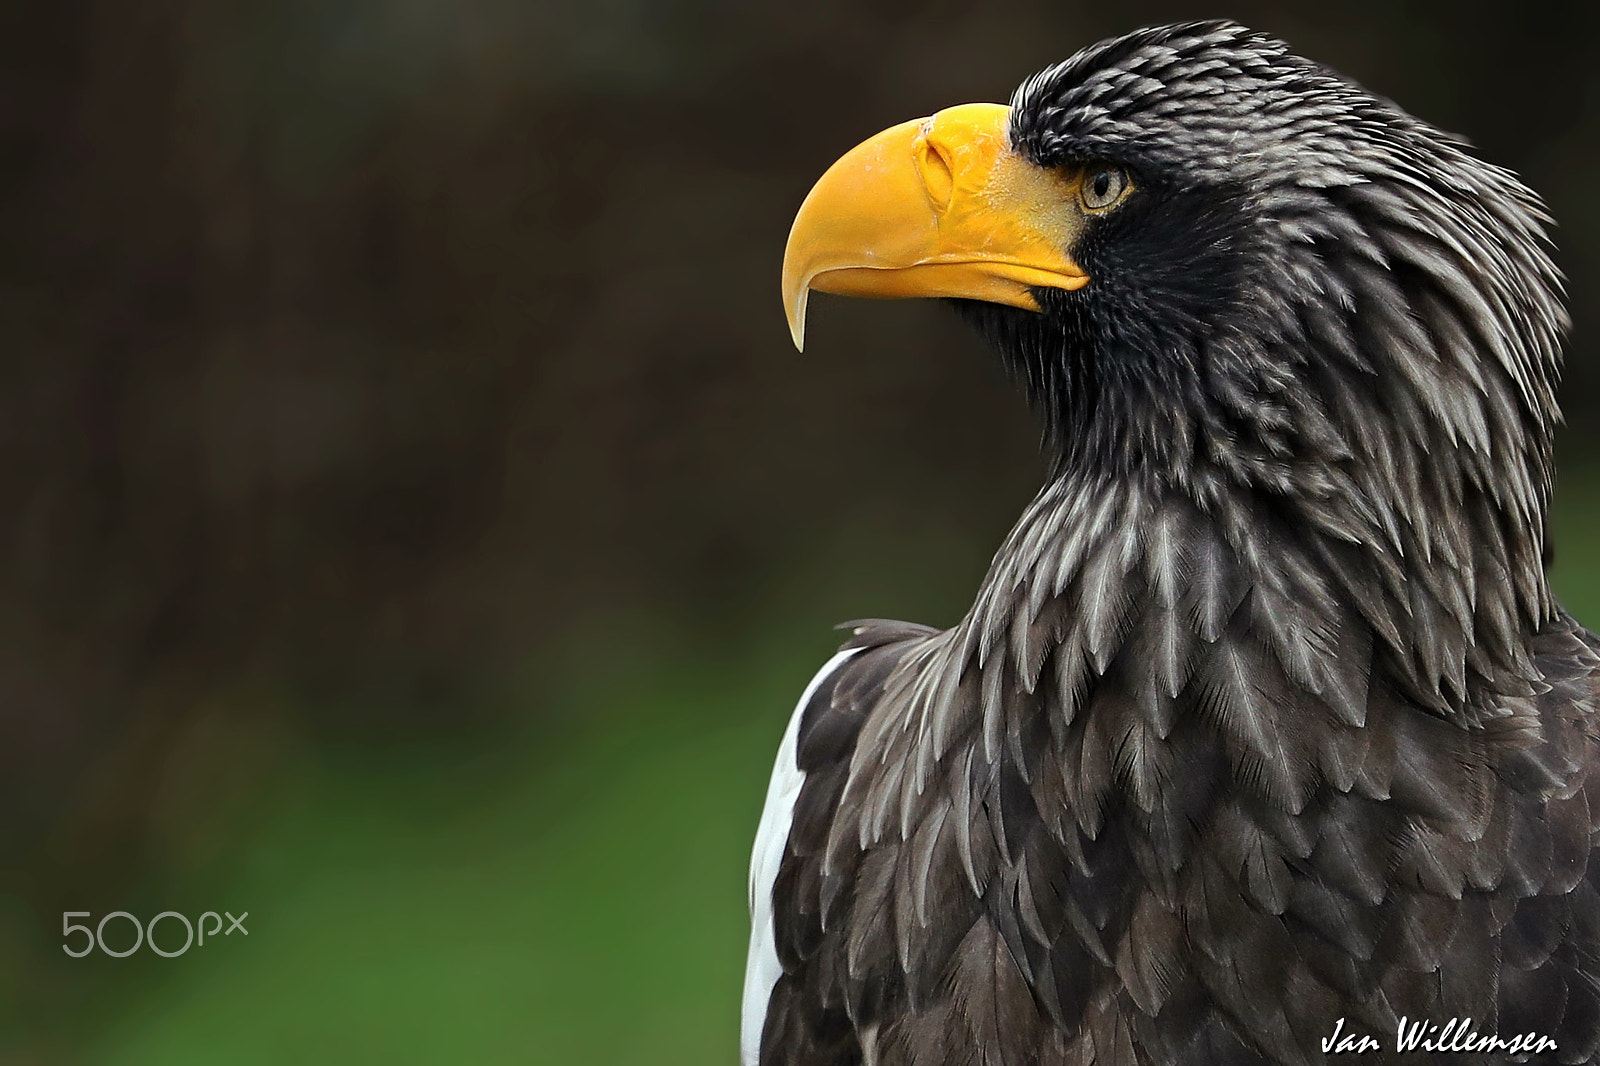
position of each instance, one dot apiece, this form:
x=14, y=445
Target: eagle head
x=1225, y=271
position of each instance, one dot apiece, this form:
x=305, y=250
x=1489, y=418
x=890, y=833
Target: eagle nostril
x=933, y=160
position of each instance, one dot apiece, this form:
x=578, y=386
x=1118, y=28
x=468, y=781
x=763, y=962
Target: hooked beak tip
x=796, y=308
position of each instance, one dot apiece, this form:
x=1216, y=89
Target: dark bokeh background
x=416, y=524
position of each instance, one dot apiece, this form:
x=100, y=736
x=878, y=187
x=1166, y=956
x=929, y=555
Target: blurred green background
x=418, y=526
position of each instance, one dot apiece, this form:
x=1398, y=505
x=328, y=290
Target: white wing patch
x=762, y=969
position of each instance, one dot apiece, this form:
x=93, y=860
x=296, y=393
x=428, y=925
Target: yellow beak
x=937, y=206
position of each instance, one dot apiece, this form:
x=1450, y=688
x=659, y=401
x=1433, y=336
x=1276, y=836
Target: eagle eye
x=1103, y=188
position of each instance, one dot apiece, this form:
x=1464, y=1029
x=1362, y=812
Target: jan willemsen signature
x=1454, y=1035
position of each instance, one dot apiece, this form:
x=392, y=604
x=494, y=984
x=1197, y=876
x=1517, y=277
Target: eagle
x=1264, y=738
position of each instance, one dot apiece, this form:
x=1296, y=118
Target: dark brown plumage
x=1264, y=716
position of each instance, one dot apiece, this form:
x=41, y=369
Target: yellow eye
x=1103, y=187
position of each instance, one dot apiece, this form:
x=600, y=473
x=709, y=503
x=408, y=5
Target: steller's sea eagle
x=1264, y=737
